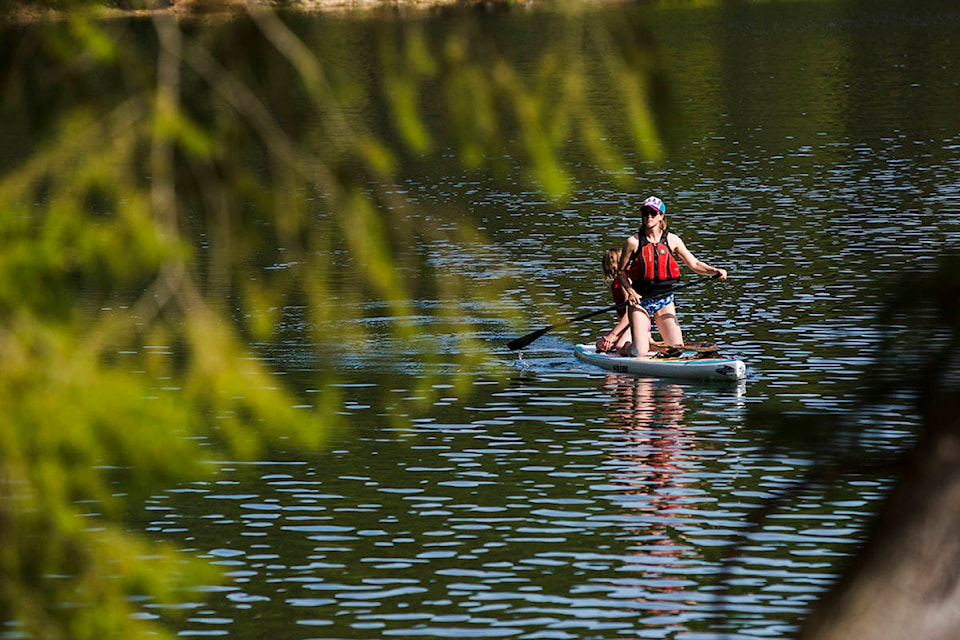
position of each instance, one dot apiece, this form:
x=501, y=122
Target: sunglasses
x=647, y=212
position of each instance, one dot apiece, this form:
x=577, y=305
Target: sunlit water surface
x=568, y=503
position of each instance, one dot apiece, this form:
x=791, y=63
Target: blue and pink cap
x=655, y=203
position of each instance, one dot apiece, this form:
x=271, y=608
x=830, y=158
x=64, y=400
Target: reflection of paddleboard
x=688, y=367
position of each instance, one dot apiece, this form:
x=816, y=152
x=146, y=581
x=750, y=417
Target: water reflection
x=651, y=416
x=650, y=454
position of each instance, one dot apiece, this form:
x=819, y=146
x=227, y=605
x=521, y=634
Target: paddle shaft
x=523, y=341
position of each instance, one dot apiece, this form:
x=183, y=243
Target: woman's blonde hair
x=611, y=264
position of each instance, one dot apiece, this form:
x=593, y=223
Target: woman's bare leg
x=639, y=332
x=669, y=326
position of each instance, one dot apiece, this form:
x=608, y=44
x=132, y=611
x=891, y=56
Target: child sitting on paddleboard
x=620, y=334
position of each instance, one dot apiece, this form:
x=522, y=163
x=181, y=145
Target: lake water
x=812, y=149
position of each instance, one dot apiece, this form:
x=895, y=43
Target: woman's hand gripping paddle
x=523, y=341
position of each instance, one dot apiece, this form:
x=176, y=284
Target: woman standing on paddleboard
x=648, y=267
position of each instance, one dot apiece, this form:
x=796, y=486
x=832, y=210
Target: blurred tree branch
x=169, y=164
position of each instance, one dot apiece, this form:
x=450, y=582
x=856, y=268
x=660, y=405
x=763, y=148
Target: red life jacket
x=616, y=290
x=619, y=295
x=653, y=268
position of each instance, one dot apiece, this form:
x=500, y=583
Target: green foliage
x=169, y=168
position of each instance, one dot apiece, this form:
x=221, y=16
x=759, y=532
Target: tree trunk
x=905, y=582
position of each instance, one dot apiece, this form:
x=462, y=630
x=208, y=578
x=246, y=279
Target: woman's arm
x=697, y=266
x=630, y=246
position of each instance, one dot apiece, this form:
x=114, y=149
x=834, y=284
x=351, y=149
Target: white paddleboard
x=685, y=367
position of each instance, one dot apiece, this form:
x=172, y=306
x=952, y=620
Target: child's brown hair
x=611, y=264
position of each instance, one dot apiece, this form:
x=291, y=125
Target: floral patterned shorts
x=654, y=305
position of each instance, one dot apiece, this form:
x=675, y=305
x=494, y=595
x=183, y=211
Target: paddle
x=523, y=341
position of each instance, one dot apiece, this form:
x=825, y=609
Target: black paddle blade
x=523, y=341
